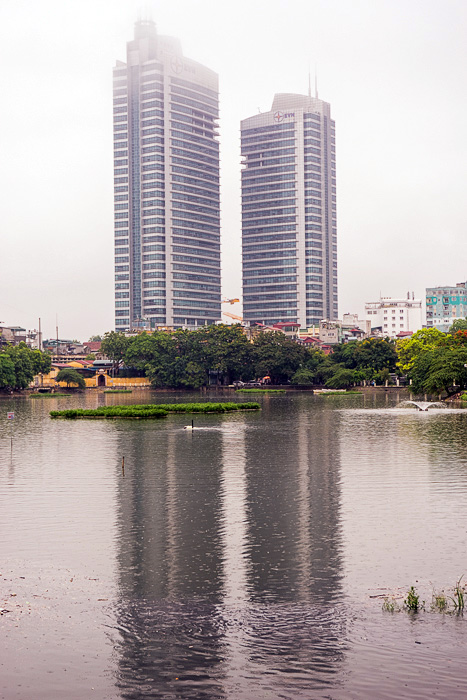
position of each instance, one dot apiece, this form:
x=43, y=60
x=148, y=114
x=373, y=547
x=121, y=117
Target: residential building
x=393, y=315
x=289, y=213
x=13, y=335
x=166, y=177
x=444, y=305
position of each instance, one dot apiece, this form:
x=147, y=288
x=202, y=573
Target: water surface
x=238, y=560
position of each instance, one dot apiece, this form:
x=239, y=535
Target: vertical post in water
x=123, y=466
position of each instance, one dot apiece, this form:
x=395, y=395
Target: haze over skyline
x=393, y=73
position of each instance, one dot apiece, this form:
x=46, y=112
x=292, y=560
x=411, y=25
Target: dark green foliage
x=118, y=391
x=69, y=375
x=341, y=379
x=114, y=346
x=185, y=358
x=303, y=376
x=111, y=412
x=19, y=364
x=437, y=369
x=278, y=357
x=371, y=353
x=153, y=410
x=412, y=602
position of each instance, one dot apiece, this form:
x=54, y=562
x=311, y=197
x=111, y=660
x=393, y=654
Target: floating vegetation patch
x=118, y=391
x=153, y=410
x=47, y=395
x=337, y=393
x=261, y=391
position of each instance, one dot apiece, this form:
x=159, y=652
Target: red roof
x=93, y=345
x=283, y=323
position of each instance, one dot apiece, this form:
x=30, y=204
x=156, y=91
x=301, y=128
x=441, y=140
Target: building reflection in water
x=230, y=557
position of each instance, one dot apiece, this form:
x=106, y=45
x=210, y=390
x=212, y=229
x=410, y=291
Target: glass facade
x=166, y=182
x=289, y=225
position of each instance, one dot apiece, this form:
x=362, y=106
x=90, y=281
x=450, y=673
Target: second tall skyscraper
x=289, y=213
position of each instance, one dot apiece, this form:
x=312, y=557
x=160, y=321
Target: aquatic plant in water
x=440, y=601
x=459, y=595
x=390, y=605
x=412, y=602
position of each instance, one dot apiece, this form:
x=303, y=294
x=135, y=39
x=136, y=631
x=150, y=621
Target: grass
x=463, y=397
x=440, y=601
x=118, y=391
x=390, y=605
x=261, y=391
x=153, y=410
x=47, y=396
x=458, y=598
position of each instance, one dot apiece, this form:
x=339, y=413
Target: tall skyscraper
x=166, y=176
x=289, y=213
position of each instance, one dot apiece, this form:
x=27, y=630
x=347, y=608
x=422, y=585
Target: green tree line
x=435, y=362
x=185, y=359
x=19, y=364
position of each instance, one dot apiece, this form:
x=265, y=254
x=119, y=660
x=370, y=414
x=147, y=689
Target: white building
x=395, y=316
x=166, y=184
x=289, y=232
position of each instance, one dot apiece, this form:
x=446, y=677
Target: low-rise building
x=444, y=305
x=393, y=315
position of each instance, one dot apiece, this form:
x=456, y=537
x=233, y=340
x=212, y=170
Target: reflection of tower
x=233, y=496
x=170, y=557
x=294, y=507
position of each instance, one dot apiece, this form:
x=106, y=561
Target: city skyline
x=391, y=72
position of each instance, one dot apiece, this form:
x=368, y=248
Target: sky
x=393, y=71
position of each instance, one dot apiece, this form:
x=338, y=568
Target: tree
x=460, y=324
x=277, y=356
x=90, y=357
x=303, y=375
x=7, y=372
x=342, y=379
x=224, y=349
x=95, y=339
x=71, y=376
x=114, y=347
x=438, y=369
x=156, y=355
x=409, y=349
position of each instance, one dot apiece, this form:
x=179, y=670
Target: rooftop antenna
x=309, y=81
x=316, y=82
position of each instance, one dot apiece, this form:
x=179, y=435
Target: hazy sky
x=394, y=72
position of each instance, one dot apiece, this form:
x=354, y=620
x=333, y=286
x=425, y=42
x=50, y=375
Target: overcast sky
x=394, y=72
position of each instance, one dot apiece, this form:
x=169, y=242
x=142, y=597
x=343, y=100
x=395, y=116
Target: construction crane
x=234, y=316
x=230, y=301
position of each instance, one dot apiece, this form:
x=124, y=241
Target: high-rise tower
x=166, y=176
x=289, y=213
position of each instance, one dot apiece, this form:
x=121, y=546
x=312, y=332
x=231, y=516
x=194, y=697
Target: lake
x=249, y=558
